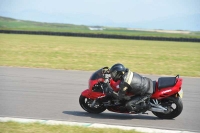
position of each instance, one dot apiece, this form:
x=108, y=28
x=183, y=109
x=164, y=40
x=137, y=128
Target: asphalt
x=53, y=95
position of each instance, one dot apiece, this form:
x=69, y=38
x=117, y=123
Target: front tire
x=174, y=104
x=85, y=104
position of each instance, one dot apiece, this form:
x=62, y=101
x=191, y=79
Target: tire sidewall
x=173, y=114
x=89, y=109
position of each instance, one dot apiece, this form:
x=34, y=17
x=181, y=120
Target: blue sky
x=144, y=14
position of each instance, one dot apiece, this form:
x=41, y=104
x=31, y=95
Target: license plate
x=181, y=93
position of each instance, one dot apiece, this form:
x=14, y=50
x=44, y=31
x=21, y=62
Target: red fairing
x=94, y=79
x=166, y=92
x=93, y=82
x=92, y=95
x=114, y=85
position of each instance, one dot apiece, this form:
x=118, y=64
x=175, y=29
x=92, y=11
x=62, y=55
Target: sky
x=139, y=14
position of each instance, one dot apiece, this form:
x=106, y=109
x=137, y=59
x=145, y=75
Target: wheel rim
x=88, y=102
x=86, y=105
x=173, y=105
x=170, y=105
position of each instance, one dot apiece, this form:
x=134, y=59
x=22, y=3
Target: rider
x=141, y=87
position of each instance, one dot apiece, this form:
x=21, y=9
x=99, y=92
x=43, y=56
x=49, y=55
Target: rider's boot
x=139, y=102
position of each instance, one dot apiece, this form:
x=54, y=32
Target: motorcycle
x=165, y=102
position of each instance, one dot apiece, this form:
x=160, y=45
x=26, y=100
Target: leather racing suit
x=131, y=82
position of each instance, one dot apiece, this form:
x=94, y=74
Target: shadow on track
x=115, y=116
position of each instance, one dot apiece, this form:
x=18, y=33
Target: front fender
x=91, y=94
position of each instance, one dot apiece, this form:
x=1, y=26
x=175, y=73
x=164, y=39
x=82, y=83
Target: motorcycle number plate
x=180, y=93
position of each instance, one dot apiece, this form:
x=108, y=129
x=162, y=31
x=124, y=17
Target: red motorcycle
x=165, y=101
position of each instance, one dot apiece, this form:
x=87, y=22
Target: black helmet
x=116, y=71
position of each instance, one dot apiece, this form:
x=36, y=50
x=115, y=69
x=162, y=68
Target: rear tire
x=169, y=102
x=85, y=102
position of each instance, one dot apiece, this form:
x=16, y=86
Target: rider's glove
x=107, y=89
x=106, y=78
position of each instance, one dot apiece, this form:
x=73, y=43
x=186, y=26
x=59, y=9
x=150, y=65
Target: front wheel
x=85, y=103
x=174, y=106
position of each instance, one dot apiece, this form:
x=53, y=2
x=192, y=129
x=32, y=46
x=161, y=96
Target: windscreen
x=97, y=75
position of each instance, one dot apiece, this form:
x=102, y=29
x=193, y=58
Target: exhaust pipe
x=157, y=110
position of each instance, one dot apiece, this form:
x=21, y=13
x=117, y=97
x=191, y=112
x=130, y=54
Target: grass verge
x=15, y=24
x=78, y=53
x=14, y=127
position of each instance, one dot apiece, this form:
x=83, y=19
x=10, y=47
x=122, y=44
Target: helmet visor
x=116, y=75
x=113, y=74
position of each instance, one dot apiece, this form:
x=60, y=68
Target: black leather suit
x=141, y=87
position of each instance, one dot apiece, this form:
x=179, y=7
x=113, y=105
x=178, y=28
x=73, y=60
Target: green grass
x=14, y=127
x=13, y=24
x=76, y=53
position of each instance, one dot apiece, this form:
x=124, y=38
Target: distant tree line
x=101, y=36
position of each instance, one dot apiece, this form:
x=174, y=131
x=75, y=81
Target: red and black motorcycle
x=165, y=101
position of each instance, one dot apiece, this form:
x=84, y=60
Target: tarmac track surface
x=53, y=94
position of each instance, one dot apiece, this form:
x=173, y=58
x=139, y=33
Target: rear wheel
x=86, y=105
x=174, y=106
